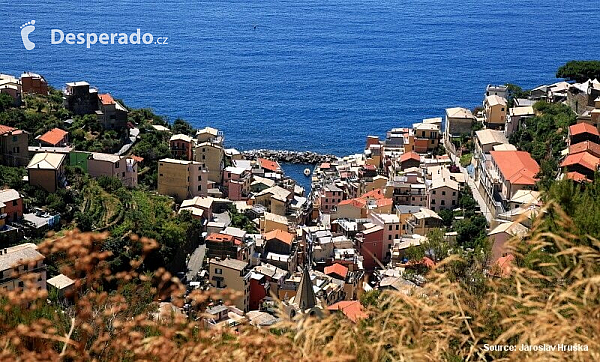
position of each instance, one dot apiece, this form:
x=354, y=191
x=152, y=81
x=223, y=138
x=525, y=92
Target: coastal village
x=372, y=221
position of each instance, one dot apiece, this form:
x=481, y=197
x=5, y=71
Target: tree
x=183, y=127
x=579, y=70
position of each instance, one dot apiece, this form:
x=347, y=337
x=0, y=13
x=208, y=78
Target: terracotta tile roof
x=384, y=202
x=516, y=166
x=503, y=266
x=106, y=99
x=373, y=194
x=351, y=309
x=5, y=129
x=584, y=146
x=137, y=158
x=360, y=203
x=220, y=238
x=280, y=235
x=581, y=128
x=425, y=261
x=53, y=136
x=412, y=155
x=584, y=159
x=577, y=177
x=338, y=269
x=269, y=165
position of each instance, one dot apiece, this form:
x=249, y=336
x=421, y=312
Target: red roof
x=577, y=177
x=412, y=155
x=220, y=238
x=280, y=235
x=54, y=136
x=384, y=202
x=106, y=99
x=584, y=146
x=338, y=269
x=5, y=129
x=581, y=128
x=373, y=194
x=584, y=159
x=351, y=309
x=516, y=166
x=269, y=165
x=137, y=158
x=360, y=203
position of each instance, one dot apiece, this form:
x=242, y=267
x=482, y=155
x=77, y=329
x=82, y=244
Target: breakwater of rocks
x=304, y=157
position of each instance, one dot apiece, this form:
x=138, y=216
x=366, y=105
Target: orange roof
x=425, y=261
x=516, y=166
x=584, y=159
x=577, y=177
x=137, y=158
x=581, y=128
x=412, y=155
x=280, y=235
x=269, y=165
x=325, y=165
x=373, y=194
x=584, y=146
x=220, y=238
x=351, y=309
x=338, y=269
x=360, y=203
x=106, y=99
x=384, y=202
x=53, y=136
x=5, y=129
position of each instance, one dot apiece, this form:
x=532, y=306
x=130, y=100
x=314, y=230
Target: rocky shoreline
x=296, y=157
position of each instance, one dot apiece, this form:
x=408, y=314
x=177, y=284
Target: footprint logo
x=27, y=29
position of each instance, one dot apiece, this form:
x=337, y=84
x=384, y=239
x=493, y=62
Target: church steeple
x=305, y=296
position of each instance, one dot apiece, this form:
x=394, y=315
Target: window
x=443, y=193
x=433, y=202
x=204, y=150
x=204, y=157
x=199, y=178
x=390, y=228
x=326, y=200
x=15, y=139
x=389, y=237
x=16, y=149
x=161, y=175
x=117, y=165
x=199, y=187
x=443, y=202
x=453, y=202
x=433, y=192
x=218, y=271
x=15, y=202
x=432, y=141
x=453, y=193
x=397, y=227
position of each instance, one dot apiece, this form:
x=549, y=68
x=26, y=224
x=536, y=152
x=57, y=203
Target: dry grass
x=549, y=298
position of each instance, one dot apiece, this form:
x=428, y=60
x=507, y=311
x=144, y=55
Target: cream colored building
x=269, y=222
x=182, y=179
x=212, y=156
x=231, y=274
x=18, y=264
x=423, y=221
x=276, y=199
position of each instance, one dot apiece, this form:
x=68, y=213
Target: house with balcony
x=13, y=146
x=80, y=98
x=11, y=86
x=210, y=135
x=423, y=221
x=494, y=112
x=508, y=172
x=516, y=119
x=275, y=199
x=443, y=194
x=47, y=171
x=427, y=137
x=17, y=264
x=111, y=114
x=231, y=274
x=109, y=165
x=458, y=123
x=236, y=183
x=485, y=140
x=182, y=146
x=409, y=160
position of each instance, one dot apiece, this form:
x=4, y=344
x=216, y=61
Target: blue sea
x=303, y=74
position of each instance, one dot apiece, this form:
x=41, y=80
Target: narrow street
x=474, y=190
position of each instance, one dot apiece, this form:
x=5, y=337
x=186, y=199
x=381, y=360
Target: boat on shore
x=307, y=172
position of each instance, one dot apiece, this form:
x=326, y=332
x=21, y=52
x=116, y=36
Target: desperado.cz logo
x=57, y=36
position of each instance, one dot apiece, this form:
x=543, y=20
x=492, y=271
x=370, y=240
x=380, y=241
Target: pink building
x=371, y=247
x=390, y=223
x=236, y=183
x=331, y=195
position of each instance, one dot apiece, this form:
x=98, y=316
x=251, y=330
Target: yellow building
x=269, y=222
x=423, y=221
x=234, y=275
x=376, y=183
x=276, y=199
x=19, y=265
x=47, y=170
x=494, y=112
x=212, y=156
x=182, y=179
x=427, y=137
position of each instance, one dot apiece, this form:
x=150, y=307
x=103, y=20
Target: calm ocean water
x=304, y=74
